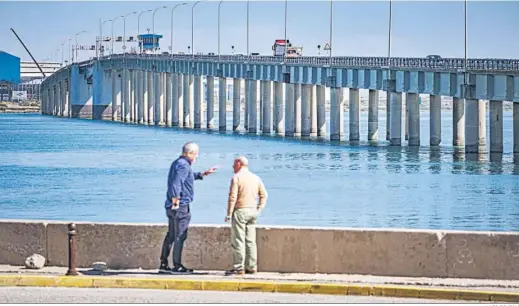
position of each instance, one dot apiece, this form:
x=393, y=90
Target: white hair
x=243, y=161
x=189, y=147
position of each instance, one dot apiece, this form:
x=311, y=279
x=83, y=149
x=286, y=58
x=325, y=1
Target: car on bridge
x=434, y=57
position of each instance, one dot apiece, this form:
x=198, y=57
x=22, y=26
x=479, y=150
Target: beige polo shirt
x=245, y=189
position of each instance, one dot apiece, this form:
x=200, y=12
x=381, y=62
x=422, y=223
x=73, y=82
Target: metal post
x=219, y=4
x=172, y=11
x=248, y=3
x=72, y=250
x=77, y=44
x=124, y=31
x=193, y=29
x=112, y=44
x=286, y=15
x=139, y=29
x=153, y=25
x=331, y=28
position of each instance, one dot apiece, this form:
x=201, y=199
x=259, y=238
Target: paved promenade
x=317, y=284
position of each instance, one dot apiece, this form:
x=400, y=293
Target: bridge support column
x=59, y=99
x=388, y=115
x=435, y=120
x=151, y=97
x=222, y=104
x=236, y=104
x=458, y=122
x=161, y=98
x=145, y=96
x=297, y=110
x=67, y=98
x=289, y=109
x=188, y=101
x=279, y=120
x=210, y=102
x=354, y=113
x=133, y=95
x=406, y=120
x=246, y=106
x=169, y=99
x=115, y=93
x=180, y=78
x=320, y=96
x=63, y=97
x=197, y=101
x=395, y=127
x=413, y=119
x=52, y=101
x=496, y=126
x=373, y=115
x=516, y=127
x=336, y=114
x=126, y=90
x=139, y=97
x=306, y=110
x=253, y=106
x=266, y=102
x=313, y=111
x=174, y=99
x=475, y=128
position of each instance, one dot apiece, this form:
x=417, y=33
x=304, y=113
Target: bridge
x=167, y=90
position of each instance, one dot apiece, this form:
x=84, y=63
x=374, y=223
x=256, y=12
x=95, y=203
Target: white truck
x=284, y=47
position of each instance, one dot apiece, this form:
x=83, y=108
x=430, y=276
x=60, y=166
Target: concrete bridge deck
x=286, y=97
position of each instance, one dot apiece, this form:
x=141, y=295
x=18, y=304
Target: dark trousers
x=178, y=224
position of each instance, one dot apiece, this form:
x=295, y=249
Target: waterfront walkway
x=363, y=285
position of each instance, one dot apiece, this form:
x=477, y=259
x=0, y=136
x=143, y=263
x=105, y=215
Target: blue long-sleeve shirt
x=181, y=181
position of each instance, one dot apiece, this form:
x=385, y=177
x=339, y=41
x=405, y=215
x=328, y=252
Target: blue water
x=70, y=169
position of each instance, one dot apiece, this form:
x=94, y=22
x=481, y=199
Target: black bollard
x=72, y=250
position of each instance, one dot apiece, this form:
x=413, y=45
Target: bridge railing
x=442, y=64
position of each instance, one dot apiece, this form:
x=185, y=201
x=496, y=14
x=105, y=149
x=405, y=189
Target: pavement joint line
x=237, y=284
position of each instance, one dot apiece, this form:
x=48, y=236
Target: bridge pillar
x=320, y=97
x=373, y=115
x=395, y=128
x=236, y=104
x=188, y=101
x=59, y=99
x=133, y=90
x=266, y=102
x=145, y=96
x=210, y=102
x=279, y=120
x=297, y=110
x=126, y=85
x=151, y=97
x=253, y=106
x=413, y=119
x=435, y=123
x=159, y=98
x=180, y=88
x=496, y=126
x=306, y=110
x=313, y=111
x=65, y=98
x=139, y=95
x=354, y=114
x=246, y=106
x=336, y=114
x=115, y=92
x=222, y=104
x=289, y=109
x=175, y=92
x=458, y=122
x=388, y=115
x=53, y=99
x=197, y=101
x=475, y=128
x=516, y=127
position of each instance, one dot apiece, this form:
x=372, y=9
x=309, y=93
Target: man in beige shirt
x=243, y=209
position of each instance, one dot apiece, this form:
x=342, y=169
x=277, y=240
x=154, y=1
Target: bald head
x=239, y=163
x=190, y=151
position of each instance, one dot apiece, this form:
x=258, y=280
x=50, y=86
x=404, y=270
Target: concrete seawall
x=413, y=253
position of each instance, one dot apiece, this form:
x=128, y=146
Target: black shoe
x=164, y=268
x=181, y=269
x=234, y=272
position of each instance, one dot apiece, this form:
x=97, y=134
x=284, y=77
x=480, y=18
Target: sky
x=360, y=28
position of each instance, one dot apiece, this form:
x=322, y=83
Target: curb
x=256, y=286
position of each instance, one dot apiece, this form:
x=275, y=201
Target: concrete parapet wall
x=414, y=253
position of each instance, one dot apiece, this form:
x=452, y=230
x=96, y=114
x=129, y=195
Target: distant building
x=149, y=42
x=9, y=68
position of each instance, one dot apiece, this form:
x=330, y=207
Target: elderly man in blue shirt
x=180, y=195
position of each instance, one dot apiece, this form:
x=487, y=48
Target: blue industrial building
x=9, y=68
x=148, y=42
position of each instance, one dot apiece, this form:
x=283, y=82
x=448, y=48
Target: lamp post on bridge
x=69, y=53
x=139, y=28
x=248, y=4
x=171, y=38
x=124, y=30
x=101, y=23
x=331, y=29
x=62, y=51
x=286, y=45
x=193, y=28
x=76, y=42
x=153, y=25
x=112, y=43
x=219, y=5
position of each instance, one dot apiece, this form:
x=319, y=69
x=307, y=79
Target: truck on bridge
x=281, y=46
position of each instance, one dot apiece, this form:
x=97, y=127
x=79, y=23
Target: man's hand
x=176, y=203
x=227, y=219
x=210, y=170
